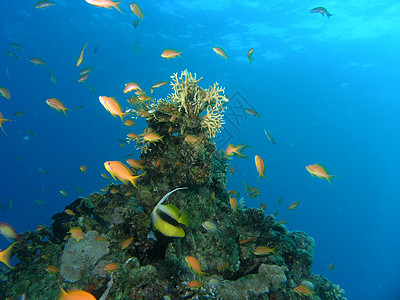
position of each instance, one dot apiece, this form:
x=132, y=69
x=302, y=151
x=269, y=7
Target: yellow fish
x=2, y=120
x=74, y=295
x=105, y=3
x=76, y=233
x=303, y=290
x=37, y=61
x=194, y=265
x=118, y=170
x=6, y=255
x=166, y=219
x=170, y=53
x=57, y=105
x=152, y=137
x=264, y=250
x=319, y=171
x=294, y=205
x=235, y=150
x=220, y=52
x=80, y=59
x=112, y=106
x=8, y=232
x=260, y=167
x=4, y=92
x=43, y=4
x=130, y=86
x=249, y=55
x=136, y=10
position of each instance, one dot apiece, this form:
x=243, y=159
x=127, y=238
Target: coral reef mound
x=117, y=260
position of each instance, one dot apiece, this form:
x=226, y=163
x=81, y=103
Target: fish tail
x=329, y=178
x=116, y=6
x=2, y=127
x=329, y=15
x=122, y=115
x=64, y=111
x=262, y=176
x=3, y=130
x=133, y=180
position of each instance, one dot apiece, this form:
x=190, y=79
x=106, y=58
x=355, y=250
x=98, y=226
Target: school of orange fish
x=119, y=170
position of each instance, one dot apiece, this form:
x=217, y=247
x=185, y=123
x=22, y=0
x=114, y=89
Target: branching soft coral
x=194, y=100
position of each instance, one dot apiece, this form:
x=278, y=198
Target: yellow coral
x=185, y=88
x=194, y=100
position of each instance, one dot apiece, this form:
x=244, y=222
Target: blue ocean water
x=326, y=89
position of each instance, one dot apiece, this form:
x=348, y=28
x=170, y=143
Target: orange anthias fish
x=136, y=10
x=152, y=137
x=260, y=167
x=191, y=139
x=129, y=123
x=264, y=250
x=76, y=233
x=105, y=3
x=112, y=106
x=322, y=10
x=118, y=170
x=159, y=84
x=83, y=78
x=246, y=241
x=252, y=112
x=220, y=52
x=8, y=232
x=111, y=267
x=4, y=92
x=69, y=211
x=37, y=61
x=57, y=105
x=194, y=265
x=130, y=86
x=80, y=59
x=330, y=267
x=232, y=170
x=43, y=4
x=233, y=203
x=74, y=295
x=319, y=171
x=104, y=175
x=52, y=269
x=126, y=243
x=2, y=120
x=235, y=150
x=170, y=53
x=294, y=205
x=134, y=163
x=6, y=255
x=195, y=284
x=303, y=290
x=249, y=55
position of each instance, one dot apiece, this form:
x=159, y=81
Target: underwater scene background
x=324, y=88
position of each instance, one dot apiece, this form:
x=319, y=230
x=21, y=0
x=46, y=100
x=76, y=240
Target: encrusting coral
x=182, y=154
